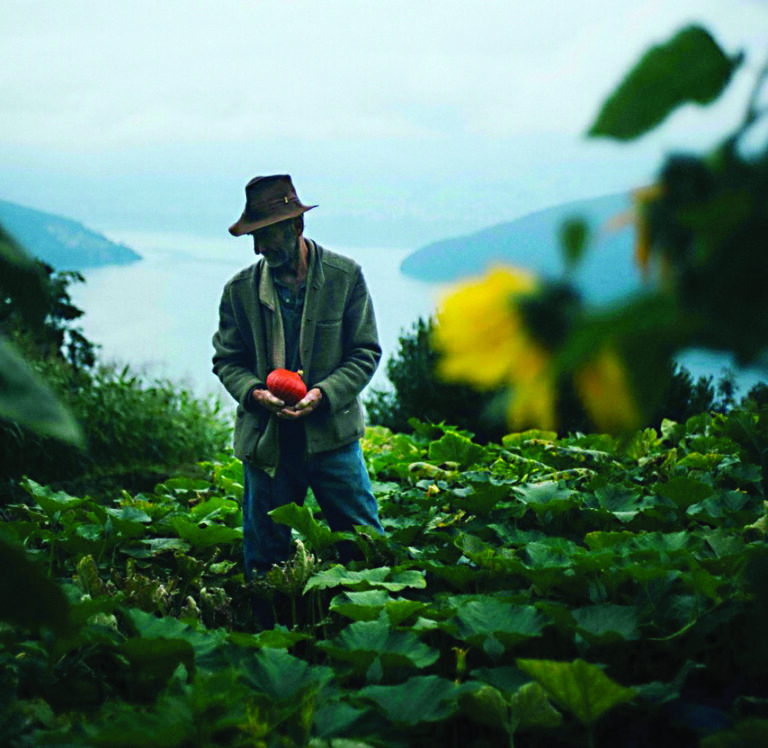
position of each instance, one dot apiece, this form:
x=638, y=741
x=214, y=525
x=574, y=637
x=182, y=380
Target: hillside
x=63, y=243
x=532, y=242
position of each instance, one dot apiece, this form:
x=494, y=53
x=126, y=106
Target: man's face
x=277, y=242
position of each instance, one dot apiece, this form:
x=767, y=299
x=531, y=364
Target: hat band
x=257, y=211
x=274, y=202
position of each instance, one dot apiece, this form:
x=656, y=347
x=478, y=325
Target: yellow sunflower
x=484, y=342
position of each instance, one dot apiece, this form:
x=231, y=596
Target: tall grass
x=131, y=424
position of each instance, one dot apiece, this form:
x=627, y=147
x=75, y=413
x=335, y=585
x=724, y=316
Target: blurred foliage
x=700, y=244
x=419, y=392
x=26, y=302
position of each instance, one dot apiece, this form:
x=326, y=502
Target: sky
x=407, y=121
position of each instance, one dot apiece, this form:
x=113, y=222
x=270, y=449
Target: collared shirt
x=291, y=307
x=292, y=434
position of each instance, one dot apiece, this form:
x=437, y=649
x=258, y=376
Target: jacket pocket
x=248, y=431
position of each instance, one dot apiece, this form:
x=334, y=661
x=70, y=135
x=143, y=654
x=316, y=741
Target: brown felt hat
x=268, y=200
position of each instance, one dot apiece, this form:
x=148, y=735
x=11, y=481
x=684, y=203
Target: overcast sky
x=404, y=119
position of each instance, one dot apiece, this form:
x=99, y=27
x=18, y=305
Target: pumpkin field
x=541, y=591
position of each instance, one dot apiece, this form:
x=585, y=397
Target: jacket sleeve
x=233, y=360
x=361, y=349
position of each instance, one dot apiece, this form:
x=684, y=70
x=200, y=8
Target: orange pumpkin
x=287, y=385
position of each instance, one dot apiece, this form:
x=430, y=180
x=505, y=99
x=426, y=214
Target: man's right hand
x=267, y=400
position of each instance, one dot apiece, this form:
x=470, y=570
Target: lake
x=159, y=314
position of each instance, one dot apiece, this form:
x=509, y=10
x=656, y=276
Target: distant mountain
x=532, y=242
x=61, y=242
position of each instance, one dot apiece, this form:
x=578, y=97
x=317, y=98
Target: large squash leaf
x=583, y=689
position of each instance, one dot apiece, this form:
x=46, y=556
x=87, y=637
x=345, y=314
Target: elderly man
x=299, y=307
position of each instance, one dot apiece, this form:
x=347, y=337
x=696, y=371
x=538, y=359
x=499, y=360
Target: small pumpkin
x=287, y=385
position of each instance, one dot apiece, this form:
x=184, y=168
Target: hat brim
x=246, y=226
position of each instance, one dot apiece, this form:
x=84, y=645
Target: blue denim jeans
x=340, y=482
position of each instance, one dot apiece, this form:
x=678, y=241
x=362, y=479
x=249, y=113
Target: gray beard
x=284, y=257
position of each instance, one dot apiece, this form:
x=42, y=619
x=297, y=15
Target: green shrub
x=129, y=424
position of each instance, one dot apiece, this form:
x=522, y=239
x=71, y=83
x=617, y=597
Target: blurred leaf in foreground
x=25, y=399
x=690, y=67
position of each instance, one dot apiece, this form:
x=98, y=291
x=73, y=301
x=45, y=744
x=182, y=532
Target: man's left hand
x=304, y=407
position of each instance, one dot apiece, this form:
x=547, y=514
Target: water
x=159, y=314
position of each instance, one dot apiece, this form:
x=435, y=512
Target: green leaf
x=276, y=638
x=361, y=606
x=26, y=399
x=690, y=67
x=205, y=536
x=217, y=508
x=574, y=233
x=459, y=577
x=27, y=596
x=367, y=644
x=300, y=518
x=752, y=732
x=155, y=660
x=335, y=718
x=426, y=698
x=282, y=676
x=549, y=496
x=205, y=644
x=150, y=547
x=367, y=606
x=485, y=705
x=454, y=447
x=684, y=491
x=530, y=707
x=52, y=502
x=583, y=689
x=481, y=495
x=489, y=618
x=381, y=577
x=622, y=502
x=608, y=622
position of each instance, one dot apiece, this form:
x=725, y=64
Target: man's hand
x=304, y=407
x=274, y=404
x=267, y=400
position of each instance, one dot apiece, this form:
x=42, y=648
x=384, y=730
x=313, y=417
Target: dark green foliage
x=554, y=592
x=687, y=397
x=709, y=224
x=56, y=335
x=129, y=425
x=26, y=304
